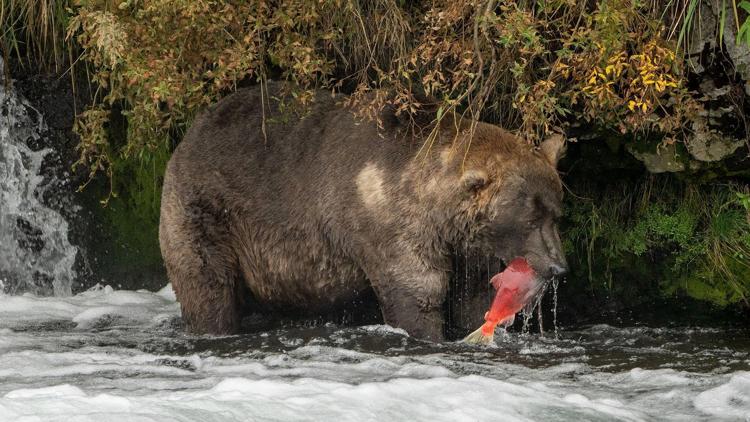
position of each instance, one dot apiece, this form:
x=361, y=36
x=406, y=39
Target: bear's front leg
x=411, y=297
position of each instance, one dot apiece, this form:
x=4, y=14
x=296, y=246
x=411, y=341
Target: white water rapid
x=35, y=254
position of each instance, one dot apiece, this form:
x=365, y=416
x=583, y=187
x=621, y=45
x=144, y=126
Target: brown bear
x=306, y=213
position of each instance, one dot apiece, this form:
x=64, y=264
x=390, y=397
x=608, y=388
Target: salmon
x=515, y=286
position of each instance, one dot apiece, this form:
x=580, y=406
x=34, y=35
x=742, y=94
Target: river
x=107, y=355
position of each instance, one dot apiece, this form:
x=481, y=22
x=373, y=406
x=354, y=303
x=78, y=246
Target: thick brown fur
x=325, y=207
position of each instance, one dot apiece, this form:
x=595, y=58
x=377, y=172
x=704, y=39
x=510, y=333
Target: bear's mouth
x=531, y=293
x=471, y=294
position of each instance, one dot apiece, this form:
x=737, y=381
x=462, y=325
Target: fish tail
x=479, y=337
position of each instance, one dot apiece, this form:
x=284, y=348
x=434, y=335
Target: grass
x=685, y=13
x=663, y=235
x=34, y=31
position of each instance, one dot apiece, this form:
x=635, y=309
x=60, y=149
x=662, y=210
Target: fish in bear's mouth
x=516, y=286
x=538, y=289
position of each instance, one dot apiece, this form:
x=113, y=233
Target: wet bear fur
x=267, y=210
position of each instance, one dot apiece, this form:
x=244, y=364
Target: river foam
x=121, y=356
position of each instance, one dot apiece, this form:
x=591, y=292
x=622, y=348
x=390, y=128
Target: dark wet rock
x=104, y=257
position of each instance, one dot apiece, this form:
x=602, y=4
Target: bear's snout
x=557, y=270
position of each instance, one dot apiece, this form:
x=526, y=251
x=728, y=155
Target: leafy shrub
x=526, y=66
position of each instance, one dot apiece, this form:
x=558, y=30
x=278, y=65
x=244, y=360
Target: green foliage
x=686, y=20
x=682, y=239
x=744, y=200
x=743, y=34
x=134, y=212
x=656, y=227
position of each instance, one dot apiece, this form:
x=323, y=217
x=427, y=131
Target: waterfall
x=35, y=254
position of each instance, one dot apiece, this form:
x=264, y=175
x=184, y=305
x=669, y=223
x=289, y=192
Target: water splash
x=535, y=304
x=555, y=284
x=35, y=254
x=528, y=313
x=540, y=318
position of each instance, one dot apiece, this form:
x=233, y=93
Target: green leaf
x=688, y=21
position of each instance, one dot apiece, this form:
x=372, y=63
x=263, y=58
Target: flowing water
x=106, y=355
x=35, y=254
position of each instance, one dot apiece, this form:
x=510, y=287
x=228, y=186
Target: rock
x=716, y=129
x=705, y=33
x=663, y=160
x=711, y=91
x=709, y=145
x=702, y=35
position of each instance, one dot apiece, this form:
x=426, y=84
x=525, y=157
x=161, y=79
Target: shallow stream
x=106, y=355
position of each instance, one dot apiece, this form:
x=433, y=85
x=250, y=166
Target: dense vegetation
x=632, y=83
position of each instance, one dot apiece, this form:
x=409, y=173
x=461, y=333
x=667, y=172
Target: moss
x=661, y=236
x=122, y=236
x=125, y=250
x=706, y=286
x=134, y=213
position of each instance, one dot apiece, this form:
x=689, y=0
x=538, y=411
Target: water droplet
x=555, y=283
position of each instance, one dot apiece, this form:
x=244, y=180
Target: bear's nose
x=557, y=270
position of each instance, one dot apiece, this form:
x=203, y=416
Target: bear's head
x=510, y=196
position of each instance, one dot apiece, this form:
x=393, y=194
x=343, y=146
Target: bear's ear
x=553, y=148
x=474, y=180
